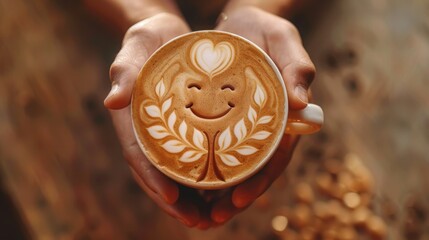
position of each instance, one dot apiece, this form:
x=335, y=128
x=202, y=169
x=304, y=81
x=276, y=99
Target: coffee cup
x=209, y=109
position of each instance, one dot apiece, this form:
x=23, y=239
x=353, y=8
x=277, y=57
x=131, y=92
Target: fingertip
x=239, y=199
x=117, y=98
x=220, y=217
x=298, y=77
x=191, y=217
x=172, y=195
x=203, y=224
x=246, y=193
x=222, y=211
x=299, y=98
x=185, y=212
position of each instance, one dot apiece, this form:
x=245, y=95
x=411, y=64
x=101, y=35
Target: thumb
x=298, y=77
x=139, y=42
x=286, y=49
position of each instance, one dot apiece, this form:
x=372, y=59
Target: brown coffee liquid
x=208, y=109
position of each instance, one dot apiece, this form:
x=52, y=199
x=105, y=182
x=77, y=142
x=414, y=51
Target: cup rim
x=237, y=179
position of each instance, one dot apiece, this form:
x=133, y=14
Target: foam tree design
x=242, y=134
x=176, y=142
x=211, y=60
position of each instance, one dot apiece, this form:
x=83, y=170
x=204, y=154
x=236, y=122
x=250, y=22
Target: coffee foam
x=208, y=109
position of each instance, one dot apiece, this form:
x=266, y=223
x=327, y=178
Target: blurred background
x=364, y=176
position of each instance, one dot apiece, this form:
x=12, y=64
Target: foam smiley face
x=208, y=109
x=211, y=97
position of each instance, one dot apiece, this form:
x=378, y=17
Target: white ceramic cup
x=305, y=121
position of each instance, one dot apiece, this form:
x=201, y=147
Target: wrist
x=137, y=15
x=156, y=22
x=276, y=7
x=282, y=8
x=121, y=15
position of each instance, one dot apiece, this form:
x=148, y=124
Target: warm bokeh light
x=351, y=199
x=279, y=223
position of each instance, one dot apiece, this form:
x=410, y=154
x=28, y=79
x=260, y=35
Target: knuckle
x=290, y=28
x=276, y=34
x=150, y=29
x=284, y=30
x=138, y=30
x=307, y=67
x=116, y=69
x=307, y=70
x=123, y=67
x=142, y=33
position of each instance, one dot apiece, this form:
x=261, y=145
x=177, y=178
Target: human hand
x=140, y=41
x=280, y=39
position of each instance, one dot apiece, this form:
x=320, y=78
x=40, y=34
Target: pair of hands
x=279, y=38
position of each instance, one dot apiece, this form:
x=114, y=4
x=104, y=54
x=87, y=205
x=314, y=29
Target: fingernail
x=220, y=217
x=302, y=94
x=239, y=202
x=113, y=91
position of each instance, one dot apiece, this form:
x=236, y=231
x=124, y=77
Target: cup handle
x=305, y=121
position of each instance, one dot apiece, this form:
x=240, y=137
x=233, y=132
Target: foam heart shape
x=212, y=59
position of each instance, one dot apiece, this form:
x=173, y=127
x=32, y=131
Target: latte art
x=178, y=141
x=212, y=59
x=208, y=109
x=241, y=133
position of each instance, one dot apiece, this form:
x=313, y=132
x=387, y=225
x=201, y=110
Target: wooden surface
x=62, y=166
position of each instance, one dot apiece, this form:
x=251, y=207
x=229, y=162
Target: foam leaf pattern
x=190, y=156
x=173, y=146
x=166, y=105
x=160, y=88
x=252, y=115
x=246, y=150
x=229, y=159
x=198, y=139
x=183, y=128
x=240, y=130
x=259, y=96
x=225, y=139
x=177, y=141
x=172, y=121
x=158, y=132
x=265, y=119
x=261, y=135
x=153, y=111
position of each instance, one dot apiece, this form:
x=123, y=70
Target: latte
x=209, y=109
